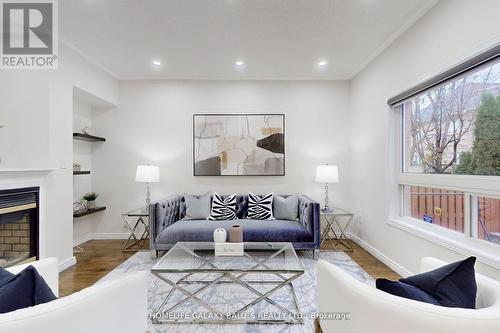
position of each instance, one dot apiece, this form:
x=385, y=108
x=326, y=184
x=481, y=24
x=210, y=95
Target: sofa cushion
x=197, y=206
x=223, y=208
x=23, y=290
x=286, y=208
x=253, y=231
x=453, y=285
x=260, y=207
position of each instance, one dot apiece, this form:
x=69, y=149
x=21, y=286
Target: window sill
x=485, y=252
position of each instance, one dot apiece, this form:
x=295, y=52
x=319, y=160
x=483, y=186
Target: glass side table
x=341, y=219
x=140, y=217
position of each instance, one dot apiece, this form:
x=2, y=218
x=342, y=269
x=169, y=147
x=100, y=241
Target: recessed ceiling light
x=322, y=63
x=240, y=65
x=156, y=64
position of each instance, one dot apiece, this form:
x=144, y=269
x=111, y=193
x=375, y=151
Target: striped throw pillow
x=223, y=209
x=260, y=208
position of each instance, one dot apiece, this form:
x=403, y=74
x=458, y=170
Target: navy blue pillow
x=5, y=276
x=453, y=285
x=405, y=290
x=23, y=290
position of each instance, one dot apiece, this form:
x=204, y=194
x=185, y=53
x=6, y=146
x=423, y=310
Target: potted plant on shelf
x=90, y=199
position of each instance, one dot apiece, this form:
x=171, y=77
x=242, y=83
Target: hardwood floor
x=365, y=260
x=98, y=258
x=102, y=256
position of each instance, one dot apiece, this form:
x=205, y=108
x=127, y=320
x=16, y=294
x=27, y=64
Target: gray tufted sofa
x=168, y=227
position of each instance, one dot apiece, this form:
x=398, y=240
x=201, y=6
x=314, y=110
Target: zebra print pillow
x=260, y=208
x=223, y=209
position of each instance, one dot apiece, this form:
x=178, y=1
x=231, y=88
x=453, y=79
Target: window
x=453, y=128
x=488, y=219
x=440, y=207
x=448, y=156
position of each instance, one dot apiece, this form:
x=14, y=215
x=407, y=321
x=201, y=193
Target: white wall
x=37, y=112
x=25, y=124
x=451, y=30
x=153, y=124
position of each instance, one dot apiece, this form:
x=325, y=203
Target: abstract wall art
x=239, y=144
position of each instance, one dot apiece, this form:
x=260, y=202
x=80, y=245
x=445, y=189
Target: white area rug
x=228, y=297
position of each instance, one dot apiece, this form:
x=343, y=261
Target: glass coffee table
x=253, y=288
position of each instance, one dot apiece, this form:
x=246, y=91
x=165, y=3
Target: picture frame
x=239, y=144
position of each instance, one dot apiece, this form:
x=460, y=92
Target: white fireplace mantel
x=19, y=178
x=2, y=171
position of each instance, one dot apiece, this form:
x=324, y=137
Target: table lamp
x=147, y=174
x=327, y=174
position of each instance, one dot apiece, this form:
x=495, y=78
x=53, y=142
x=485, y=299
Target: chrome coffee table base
x=281, y=279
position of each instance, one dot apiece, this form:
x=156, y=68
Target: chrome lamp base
x=148, y=196
x=326, y=208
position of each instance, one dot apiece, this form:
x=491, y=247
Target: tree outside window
x=455, y=128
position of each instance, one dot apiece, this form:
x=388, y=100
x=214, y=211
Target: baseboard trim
x=380, y=256
x=65, y=264
x=82, y=240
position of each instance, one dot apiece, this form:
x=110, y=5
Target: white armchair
x=372, y=310
x=118, y=306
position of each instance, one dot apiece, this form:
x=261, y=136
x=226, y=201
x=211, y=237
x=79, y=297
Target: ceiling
x=202, y=39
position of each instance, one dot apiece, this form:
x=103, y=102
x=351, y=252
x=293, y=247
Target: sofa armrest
x=118, y=306
x=162, y=214
x=48, y=268
x=369, y=308
x=309, y=217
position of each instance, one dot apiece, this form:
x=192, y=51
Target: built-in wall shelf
x=87, y=137
x=89, y=211
x=81, y=173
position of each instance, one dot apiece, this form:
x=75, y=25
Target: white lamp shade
x=327, y=174
x=147, y=174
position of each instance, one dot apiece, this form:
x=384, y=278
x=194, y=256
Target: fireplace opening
x=19, y=223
